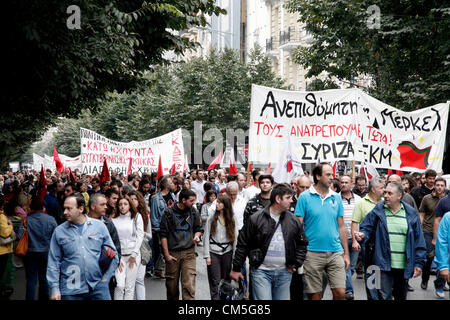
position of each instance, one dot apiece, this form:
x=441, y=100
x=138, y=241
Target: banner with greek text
x=345, y=124
x=144, y=154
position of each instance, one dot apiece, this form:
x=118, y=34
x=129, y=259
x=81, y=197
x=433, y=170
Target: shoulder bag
x=22, y=245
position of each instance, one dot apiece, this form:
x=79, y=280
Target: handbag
x=22, y=245
x=146, y=252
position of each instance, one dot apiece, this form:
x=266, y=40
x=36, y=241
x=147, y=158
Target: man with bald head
x=303, y=183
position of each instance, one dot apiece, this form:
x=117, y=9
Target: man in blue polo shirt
x=321, y=211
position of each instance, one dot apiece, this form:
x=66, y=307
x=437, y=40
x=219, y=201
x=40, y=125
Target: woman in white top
x=130, y=228
x=139, y=203
x=220, y=243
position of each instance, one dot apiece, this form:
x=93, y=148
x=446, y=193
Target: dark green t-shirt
x=428, y=207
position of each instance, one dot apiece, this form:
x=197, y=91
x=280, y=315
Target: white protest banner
x=69, y=162
x=144, y=154
x=49, y=163
x=345, y=124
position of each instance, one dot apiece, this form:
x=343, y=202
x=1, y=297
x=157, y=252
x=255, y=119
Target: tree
x=215, y=90
x=52, y=70
x=407, y=56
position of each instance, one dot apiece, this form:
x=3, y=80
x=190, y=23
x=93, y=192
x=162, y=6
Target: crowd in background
x=134, y=209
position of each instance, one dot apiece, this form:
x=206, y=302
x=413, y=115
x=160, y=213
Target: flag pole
x=353, y=170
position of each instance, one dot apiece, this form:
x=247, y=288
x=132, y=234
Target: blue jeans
x=36, y=268
x=270, y=284
x=100, y=292
x=393, y=284
x=351, y=269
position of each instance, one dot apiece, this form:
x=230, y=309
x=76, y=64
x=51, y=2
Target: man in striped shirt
x=349, y=200
x=400, y=253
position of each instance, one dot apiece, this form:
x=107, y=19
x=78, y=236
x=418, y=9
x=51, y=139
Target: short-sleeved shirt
x=320, y=219
x=349, y=205
x=362, y=208
x=428, y=207
x=275, y=258
x=397, y=229
x=443, y=206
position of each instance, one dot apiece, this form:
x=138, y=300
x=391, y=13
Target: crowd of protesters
x=98, y=240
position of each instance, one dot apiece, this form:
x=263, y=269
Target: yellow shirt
x=5, y=231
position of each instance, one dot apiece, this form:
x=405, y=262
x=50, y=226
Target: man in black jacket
x=180, y=230
x=275, y=242
x=258, y=202
x=97, y=210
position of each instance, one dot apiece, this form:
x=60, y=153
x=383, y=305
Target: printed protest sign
x=345, y=124
x=144, y=154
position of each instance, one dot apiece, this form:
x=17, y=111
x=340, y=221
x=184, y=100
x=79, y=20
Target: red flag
x=268, y=169
x=129, y=170
x=105, y=176
x=42, y=184
x=334, y=169
x=399, y=172
x=71, y=175
x=160, y=169
x=59, y=165
x=233, y=169
x=216, y=161
x=412, y=156
x=390, y=171
x=173, y=170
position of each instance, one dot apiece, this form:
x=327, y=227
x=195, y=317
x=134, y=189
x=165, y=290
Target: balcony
x=290, y=39
x=271, y=49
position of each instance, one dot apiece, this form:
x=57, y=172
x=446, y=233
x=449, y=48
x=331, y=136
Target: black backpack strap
x=222, y=245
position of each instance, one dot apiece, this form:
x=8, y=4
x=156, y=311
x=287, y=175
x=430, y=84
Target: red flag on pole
x=233, y=169
x=268, y=169
x=334, y=169
x=129, y=170
x=105, y=176
x=42, y=183
x=59, y=165
x=173, y=170
x=71, y=175
x=216, y=161
x=160, y=169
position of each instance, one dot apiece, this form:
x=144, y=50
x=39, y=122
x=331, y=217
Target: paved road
x=156, y=289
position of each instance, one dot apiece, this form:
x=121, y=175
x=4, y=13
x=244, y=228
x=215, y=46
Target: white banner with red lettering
x=144, y=154
x=345, y=124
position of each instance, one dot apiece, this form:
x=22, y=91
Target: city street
x=156, y=290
